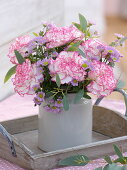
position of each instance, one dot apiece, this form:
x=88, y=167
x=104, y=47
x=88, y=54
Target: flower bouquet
x=59, y=61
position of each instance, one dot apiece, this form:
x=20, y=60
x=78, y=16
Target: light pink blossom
x=25, y=78
x=103, y=80
x=20, y=44
x=68, y=65
x=58, y=36
x=91, y=50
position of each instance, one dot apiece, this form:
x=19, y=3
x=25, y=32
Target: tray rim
x=94, y=144
x=52, y=153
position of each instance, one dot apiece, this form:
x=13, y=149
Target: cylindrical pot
x=66, y=129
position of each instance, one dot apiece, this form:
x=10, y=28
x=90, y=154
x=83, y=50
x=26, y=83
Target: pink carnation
x=68, y=65
x=25, y=78
x=20, y=44
x=91, y=50
x=103, y=78
x=58, y=36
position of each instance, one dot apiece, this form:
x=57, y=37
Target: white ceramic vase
x=67, y=129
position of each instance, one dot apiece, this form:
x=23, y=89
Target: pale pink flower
x=119, y=36
x=58, y=36
x=103, y=80
x=58, y=103
x=53, y=109
x=20, y=44
x=91, y=50
x=68, y=65
x=25, y=78
x=49, y=25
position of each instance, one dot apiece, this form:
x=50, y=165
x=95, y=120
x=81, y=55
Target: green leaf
x=48, y=94
x=108, y=159
x=41, y=33
x=77, y=160
x=100, y=168
x=10, y=72
x=78, y=96
x=121, y=160
x=51, y=97
x=77, y=26
x=86, y=96
x=19, y=57
x=122, y=40
x=65, y=103
x=74, y=47
x=83, y=22
x=112, y=167
x=81, y=53
x=120, y=84
x=88, y=33
x=113, y=44
x=58, y=80
x=118, y=152
x=111, y=64
x=35, y=34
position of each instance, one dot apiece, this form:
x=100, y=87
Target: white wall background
x=91, y=9
x=18, y=17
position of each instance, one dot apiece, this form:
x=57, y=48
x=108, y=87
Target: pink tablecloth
x=91, y=166
x=5, y=165
x=16, y=106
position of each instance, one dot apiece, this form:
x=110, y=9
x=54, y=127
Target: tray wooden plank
x=30, y=139
x=21, y=125
x=24, y=134
x=23, y=159
x=109, y=122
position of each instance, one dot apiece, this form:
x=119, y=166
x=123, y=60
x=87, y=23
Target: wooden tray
x=108, y=126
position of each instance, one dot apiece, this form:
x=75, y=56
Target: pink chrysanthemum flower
x=49, y=25
x=68, y=65
x=91, y=50
x=103, y=80
x=35, y=87
x=119, y=36
x=25, y=78
x=47, y=108
x=58, y=103
x=37, y=101
x=51, y=101
x=74, y=82
x=41, y=96
x=43, y=62
x=40, y=78
x=58, y=36
x=53, y=109
x=20, y=44
x=40, y=70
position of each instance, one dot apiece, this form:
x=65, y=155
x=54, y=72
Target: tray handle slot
x=9, y=139
x=120, y=91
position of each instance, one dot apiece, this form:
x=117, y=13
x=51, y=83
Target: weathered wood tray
x=109, y=127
